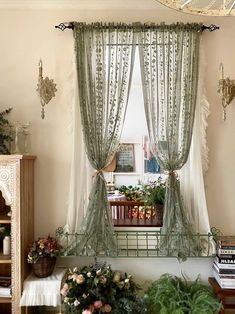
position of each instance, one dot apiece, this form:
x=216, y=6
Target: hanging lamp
x=202, y=7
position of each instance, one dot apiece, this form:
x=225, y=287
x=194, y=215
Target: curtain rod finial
x=63, y=26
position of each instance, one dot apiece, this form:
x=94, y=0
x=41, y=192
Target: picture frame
x=125, y=158
x=151, y=165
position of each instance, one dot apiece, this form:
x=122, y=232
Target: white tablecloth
x=43, y=291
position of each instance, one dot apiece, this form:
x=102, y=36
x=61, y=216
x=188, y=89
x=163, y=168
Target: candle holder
x=226, y=90
x=20, y=134
x=46, y=89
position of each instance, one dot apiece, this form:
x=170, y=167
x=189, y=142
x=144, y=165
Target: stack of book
x=224, y=263
x=5, y=287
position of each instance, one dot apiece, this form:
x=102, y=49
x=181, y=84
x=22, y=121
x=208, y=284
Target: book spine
x=226, y=247
x=225, y=256
x=227, y=252
x=230, y=273
x=224, y=265
x=226, y=271
x=223, y=281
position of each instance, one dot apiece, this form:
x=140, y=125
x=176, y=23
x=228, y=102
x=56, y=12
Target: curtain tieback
x=99, y=172
x=172, y=173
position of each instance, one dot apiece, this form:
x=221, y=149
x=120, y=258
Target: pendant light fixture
x=202, y=7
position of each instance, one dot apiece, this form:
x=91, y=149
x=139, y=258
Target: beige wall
x=26, y=35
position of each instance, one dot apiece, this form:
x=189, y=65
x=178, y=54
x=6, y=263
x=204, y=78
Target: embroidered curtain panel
x=105, y=56
x=169, y=56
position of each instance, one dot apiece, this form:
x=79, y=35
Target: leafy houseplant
x=5, y=138
x=132, y=193
x=154, y=193
x=97, y=289
x=151, y=193
x=173, y=295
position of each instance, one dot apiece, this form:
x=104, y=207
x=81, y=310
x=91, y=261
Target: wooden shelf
x=4, y=219
x=5, y=259
x=5, y=299
x=20, y=202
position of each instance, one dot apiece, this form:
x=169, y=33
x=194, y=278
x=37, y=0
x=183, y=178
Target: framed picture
x=125, y=158
x=150, y=163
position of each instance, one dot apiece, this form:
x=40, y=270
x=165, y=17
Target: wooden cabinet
x=16, y=210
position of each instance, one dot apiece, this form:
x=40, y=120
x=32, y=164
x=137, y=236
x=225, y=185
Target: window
x=135, y=163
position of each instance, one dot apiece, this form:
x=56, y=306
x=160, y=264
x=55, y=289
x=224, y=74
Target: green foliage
x=173, y=295
x=154, y=193
x=151, y=193
x=5, y=230
x=132, y=193
x=5, y=138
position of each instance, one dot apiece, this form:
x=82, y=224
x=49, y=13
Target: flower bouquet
x=43, y=247
x=42, y=255
x=97, y=290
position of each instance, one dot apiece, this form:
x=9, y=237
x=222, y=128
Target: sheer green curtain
x=105, y=58
x=169, y=57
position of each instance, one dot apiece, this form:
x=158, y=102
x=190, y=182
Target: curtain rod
x=63, y=26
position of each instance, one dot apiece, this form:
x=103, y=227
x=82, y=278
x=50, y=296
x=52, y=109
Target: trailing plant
x=173, y=295
x=5, y=138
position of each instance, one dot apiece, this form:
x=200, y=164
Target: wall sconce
x=46, y=89
x=226, y=90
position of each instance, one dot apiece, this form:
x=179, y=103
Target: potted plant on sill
x=152, y=194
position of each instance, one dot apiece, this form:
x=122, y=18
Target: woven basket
x=44, y=266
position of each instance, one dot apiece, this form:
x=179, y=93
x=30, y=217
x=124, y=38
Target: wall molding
x=82, y=4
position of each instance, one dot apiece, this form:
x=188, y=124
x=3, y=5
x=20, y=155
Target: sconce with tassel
x=46, y=89
x=226, y=90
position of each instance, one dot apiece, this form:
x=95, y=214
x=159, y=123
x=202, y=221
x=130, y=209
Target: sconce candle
x=221, y=71
x=46, y=89
x=226, y=90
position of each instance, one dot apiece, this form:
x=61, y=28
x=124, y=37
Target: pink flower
x=64, y=290
x=91, y=308
x=87, y=311
x=98, y=304
x=107, y=308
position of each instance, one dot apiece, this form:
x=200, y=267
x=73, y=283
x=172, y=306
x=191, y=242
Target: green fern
x=5, y=138
x=173, y=295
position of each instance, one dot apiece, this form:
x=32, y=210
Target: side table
x=222, y=294
x=43, y=291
